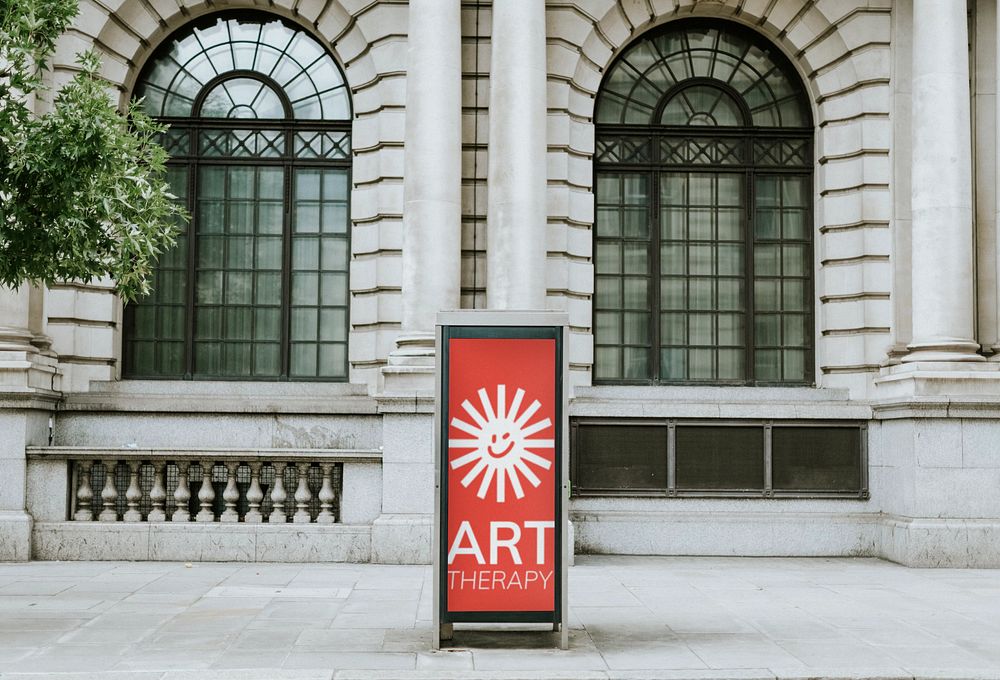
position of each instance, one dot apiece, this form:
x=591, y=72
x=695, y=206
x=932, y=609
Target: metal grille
x=727, y=458
x=703, y=151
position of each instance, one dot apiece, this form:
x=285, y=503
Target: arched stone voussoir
x=150, y=23
x=806, y=38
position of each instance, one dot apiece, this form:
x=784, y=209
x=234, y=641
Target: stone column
x=996, y=177
x=516, y=216
x=942, y=252
x=432, y=177
x=432, y=249
x=29, y=381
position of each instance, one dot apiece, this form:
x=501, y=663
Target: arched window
x=259, y=139
x=703, y=237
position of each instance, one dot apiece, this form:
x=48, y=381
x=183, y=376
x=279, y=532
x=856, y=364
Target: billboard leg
x=563, y=636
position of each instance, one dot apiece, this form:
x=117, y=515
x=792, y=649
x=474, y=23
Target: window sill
x=222, y=396
x=772, y=403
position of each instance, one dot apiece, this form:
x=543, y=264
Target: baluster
x=278, y=495
x=302, y=496
x=133, y=494
x=158, y=494
x=182, y=494
x=326, y=497
x=84, y=493
x=109, y=494
x=206, y=494
x=255, y=495
x=231, y=495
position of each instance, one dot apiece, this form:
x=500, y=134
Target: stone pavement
x=632, y=617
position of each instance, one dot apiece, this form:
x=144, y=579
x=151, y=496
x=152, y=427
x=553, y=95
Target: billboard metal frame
x=512, y=325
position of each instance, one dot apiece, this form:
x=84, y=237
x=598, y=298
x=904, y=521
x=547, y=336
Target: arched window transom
x=703, y=233
x=259, y=138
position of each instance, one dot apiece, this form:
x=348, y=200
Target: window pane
x=767, y=365
x=794, y=368
x=333, y=360
x=766, y=330
x=609, y=258
x=608, y=222
x=793, y=260
x=614, y=457
x=701, y=294
x=730, y=258
x=636, y=328
x=673, y=329
x=607, y=328
x=700, y=259
x=673, y=364
x=816, y=458
x=673, y=293
x=607, y=363
x=636, y=363
x=730, y=329
x=701, y=364
x=731, y=364
x=636, y=259
x=636, y=296
x=765, y=295
x=730, y=294
x=608, y=293
x=333, y=325
x=305, y=289
x=303, y=360
x=719, y=458
x=267, y=360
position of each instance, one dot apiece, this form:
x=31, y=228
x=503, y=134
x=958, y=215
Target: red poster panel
x=501, y=475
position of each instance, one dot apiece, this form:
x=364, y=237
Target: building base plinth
x=402, y=539
x=948, y=543
x=15, y=536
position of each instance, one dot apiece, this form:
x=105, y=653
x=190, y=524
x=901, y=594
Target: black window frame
x=748, y=150
x=182, y=140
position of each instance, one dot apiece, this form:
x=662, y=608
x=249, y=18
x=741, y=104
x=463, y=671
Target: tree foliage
x=82, y=188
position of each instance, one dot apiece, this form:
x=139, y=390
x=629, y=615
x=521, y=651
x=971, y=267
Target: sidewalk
x=632, y=617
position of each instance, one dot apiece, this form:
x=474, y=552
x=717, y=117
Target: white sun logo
x=501, y=445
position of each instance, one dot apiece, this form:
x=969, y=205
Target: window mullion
x=192, y=259
x=750, y=197
x=286, y=272
x=654, y=279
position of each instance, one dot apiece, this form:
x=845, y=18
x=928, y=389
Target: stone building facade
x=772, y=225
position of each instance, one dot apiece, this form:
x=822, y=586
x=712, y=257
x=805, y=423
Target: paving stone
x=635, y=618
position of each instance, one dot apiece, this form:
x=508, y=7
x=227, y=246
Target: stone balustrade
x=273, y=486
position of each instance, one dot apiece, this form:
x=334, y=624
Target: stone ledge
x=792, y=403
x=263, y=403
x=31, y=399
x=166, y=541
x=936, y=407
x=417, y=401
x=938, y=390
x=218, y=453
x=218, y=396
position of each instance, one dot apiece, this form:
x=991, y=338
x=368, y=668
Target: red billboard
x=501, y=475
